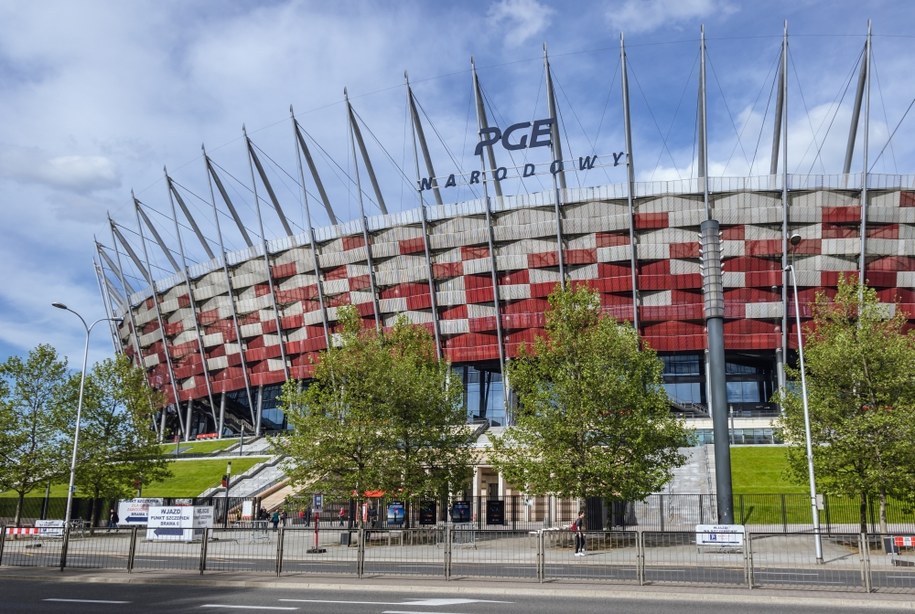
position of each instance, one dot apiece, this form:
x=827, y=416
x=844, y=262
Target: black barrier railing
x=880, y=563
x=660, y=512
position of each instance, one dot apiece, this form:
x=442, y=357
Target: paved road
x=54, y=595
x=587, y=568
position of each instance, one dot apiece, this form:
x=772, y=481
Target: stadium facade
x=221, y=336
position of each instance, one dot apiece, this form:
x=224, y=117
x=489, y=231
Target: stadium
x=219, y=329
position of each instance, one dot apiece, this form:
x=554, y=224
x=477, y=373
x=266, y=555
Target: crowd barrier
x=849, y=562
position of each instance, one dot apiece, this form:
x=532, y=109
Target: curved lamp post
x=79, y=405
x=815, y=513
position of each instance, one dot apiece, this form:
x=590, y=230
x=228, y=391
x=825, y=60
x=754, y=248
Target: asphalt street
x=40, y=591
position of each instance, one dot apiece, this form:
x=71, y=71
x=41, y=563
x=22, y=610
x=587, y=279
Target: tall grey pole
x=814, y=511
x=713, y=293
x=79, y=406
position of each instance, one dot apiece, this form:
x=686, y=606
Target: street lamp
x=795, y=239
x=228, y=485
x=79, y=405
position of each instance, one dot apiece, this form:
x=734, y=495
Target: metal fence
x=851, y=562
x=681, y=512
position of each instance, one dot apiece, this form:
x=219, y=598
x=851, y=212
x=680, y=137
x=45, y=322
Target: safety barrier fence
x=852, y=562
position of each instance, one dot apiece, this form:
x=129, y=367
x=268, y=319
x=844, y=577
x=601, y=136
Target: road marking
x=419, y=602
x=87, y=601
x=343, y=602
x=247, y=607
x=786, y=573
x=436, y=602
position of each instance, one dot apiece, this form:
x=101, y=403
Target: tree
x=860, y=368
x=117, y=445
x=380, y=414
x=593, y=418
x=34, y=448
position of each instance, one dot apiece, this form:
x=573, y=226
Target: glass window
x=684, y=392
x=681, y=364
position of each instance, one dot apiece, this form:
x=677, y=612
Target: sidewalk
x=475, y=587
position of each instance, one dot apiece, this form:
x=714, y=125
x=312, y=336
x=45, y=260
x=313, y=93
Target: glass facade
x=484, y=397
x=751, y=379
x=750, y=385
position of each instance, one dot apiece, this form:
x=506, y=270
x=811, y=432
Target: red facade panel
x=651, y=221
x=412, y=246
x=474, y=252
x=841, y=214
x=611, y=239
x=447, y=270
x=353, y=242
x=684, y=250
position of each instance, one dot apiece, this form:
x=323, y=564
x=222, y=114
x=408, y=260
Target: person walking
x=113, y=520
x=275, y=519
x=578, y=527
x=342, y=516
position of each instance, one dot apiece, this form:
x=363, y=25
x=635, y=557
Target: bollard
x=360, y=551
x=748, y=556
x=640, y=556
x=448, y=535
x=864, y=550
x=63, y=547
x=203, y=550
x=132, y=553
x=280, y=544
x=541, y=557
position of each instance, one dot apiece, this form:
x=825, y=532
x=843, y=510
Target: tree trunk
x=863, y=513
x=883, y=523
x=19, y=503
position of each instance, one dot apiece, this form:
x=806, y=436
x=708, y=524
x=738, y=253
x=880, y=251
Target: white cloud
x=639, y=16
x=82, y=174
x=520, y=20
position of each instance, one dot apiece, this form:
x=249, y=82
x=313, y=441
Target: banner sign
x=174, y=523
x=135, y=512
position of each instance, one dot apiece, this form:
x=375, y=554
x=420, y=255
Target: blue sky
x=99, y=96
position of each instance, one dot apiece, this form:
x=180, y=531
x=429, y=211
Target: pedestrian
x=578, y=528
x=275, y=519
x=113, y=520
x=307, y=513
x=283, y=517
x=342, y=516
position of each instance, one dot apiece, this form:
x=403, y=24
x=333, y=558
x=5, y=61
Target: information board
x=720, y=535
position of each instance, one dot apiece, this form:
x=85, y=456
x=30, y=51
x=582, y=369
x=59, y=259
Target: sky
x=100, y=97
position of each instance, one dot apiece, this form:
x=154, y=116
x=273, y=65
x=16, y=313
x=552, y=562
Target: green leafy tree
x=430, y=450
x=34, y=446
x=593, y=418
x=860, y=368
x=380, y=414
x=117, y=445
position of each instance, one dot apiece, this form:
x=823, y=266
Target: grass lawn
x=197, y=447
x=761, y=469
x=191, y=477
